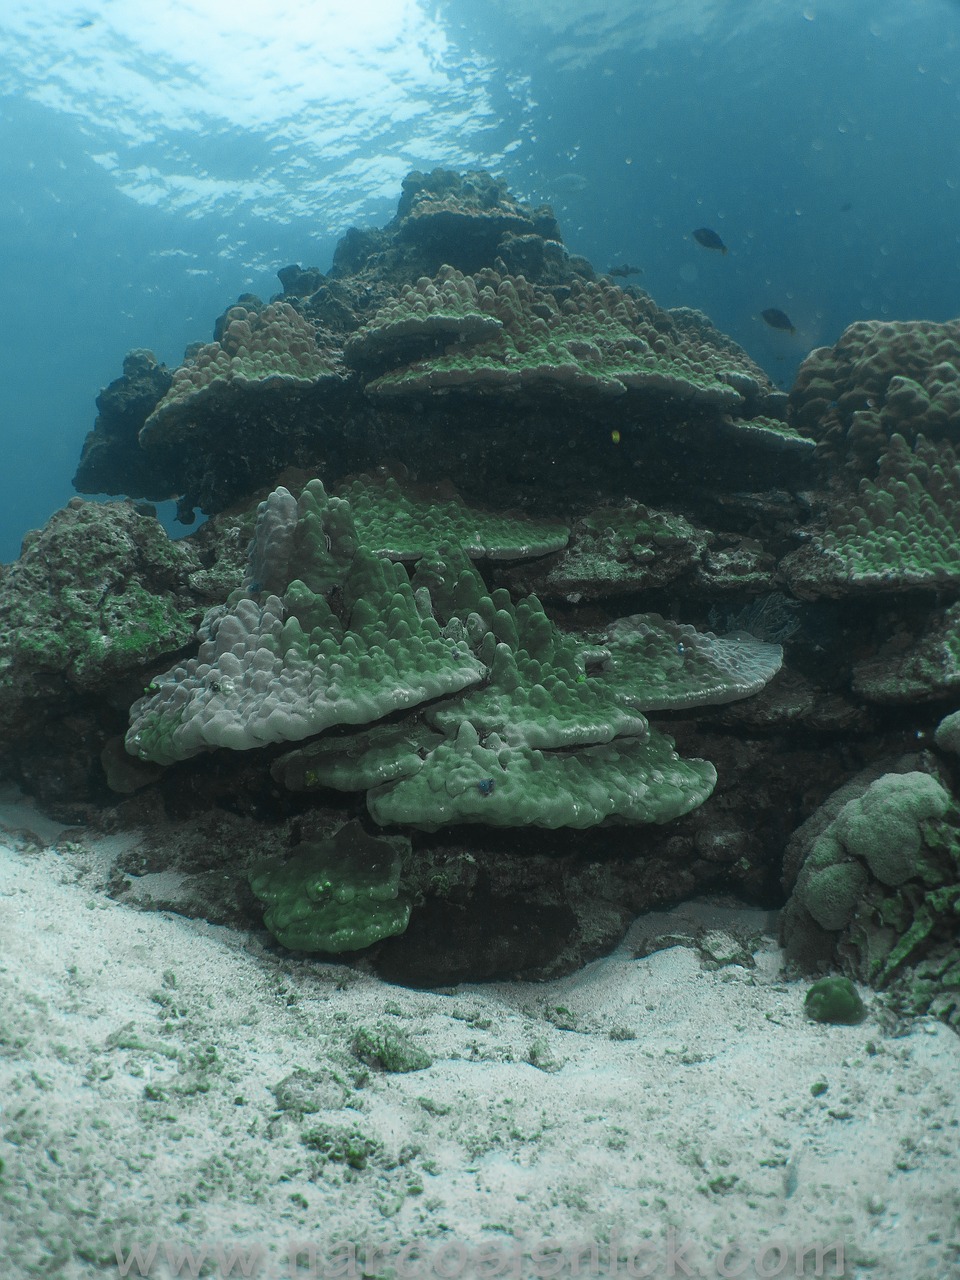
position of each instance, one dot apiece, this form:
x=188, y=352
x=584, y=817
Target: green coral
x=131, y=627
x=833, y=884
x=537, y=692
x=899, y=532
x=881, y=377
x=135, y=627
x=340, y=894
x=540, y=702
x=526, y=748
x=884, y=827
x=446, y=309
x=522, y=726
x=466, y=780
x=770, y=434
x=656, y=664
x=98, y=592
x=273, y=349
x=398, y=521
x=357, y=761
x=835, y=1000
x=280, y=670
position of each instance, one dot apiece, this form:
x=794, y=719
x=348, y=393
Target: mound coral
x=466, y=219
x=881, y=378
x=423, y=315
x=112, y=460
x=100, y=590
x=880, y=884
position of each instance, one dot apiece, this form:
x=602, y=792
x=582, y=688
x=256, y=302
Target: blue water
x=157, y=160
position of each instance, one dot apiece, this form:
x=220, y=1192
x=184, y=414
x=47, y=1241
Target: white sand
x=138, y=1051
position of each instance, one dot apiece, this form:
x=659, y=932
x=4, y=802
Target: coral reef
x=278, y=669
x=97, y=595
x=924, y=668
x=248, y=404
x=572, y=564
x=98, y=592
x=112, y=460
x=404, y=521
x=491, y=782
x=432, y=312
x=598, y=342
x=331, y=376
x=284, y=668
x=470, y=219
x=628, y=548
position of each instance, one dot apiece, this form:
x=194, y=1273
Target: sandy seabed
x=181, y=1099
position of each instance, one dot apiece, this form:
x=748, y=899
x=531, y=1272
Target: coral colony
x=496, y=542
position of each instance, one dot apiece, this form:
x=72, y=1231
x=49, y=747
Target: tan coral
x=880, y=378
x=275, y=346
x=598, y=341
x=447, y=307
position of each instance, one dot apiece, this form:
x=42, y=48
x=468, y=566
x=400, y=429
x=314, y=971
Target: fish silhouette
x=709, y=239
x=777, y=319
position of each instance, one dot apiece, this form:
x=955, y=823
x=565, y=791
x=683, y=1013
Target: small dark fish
x=777, y=319
x=709, y=239
x=625, y=270
x=846, y=207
